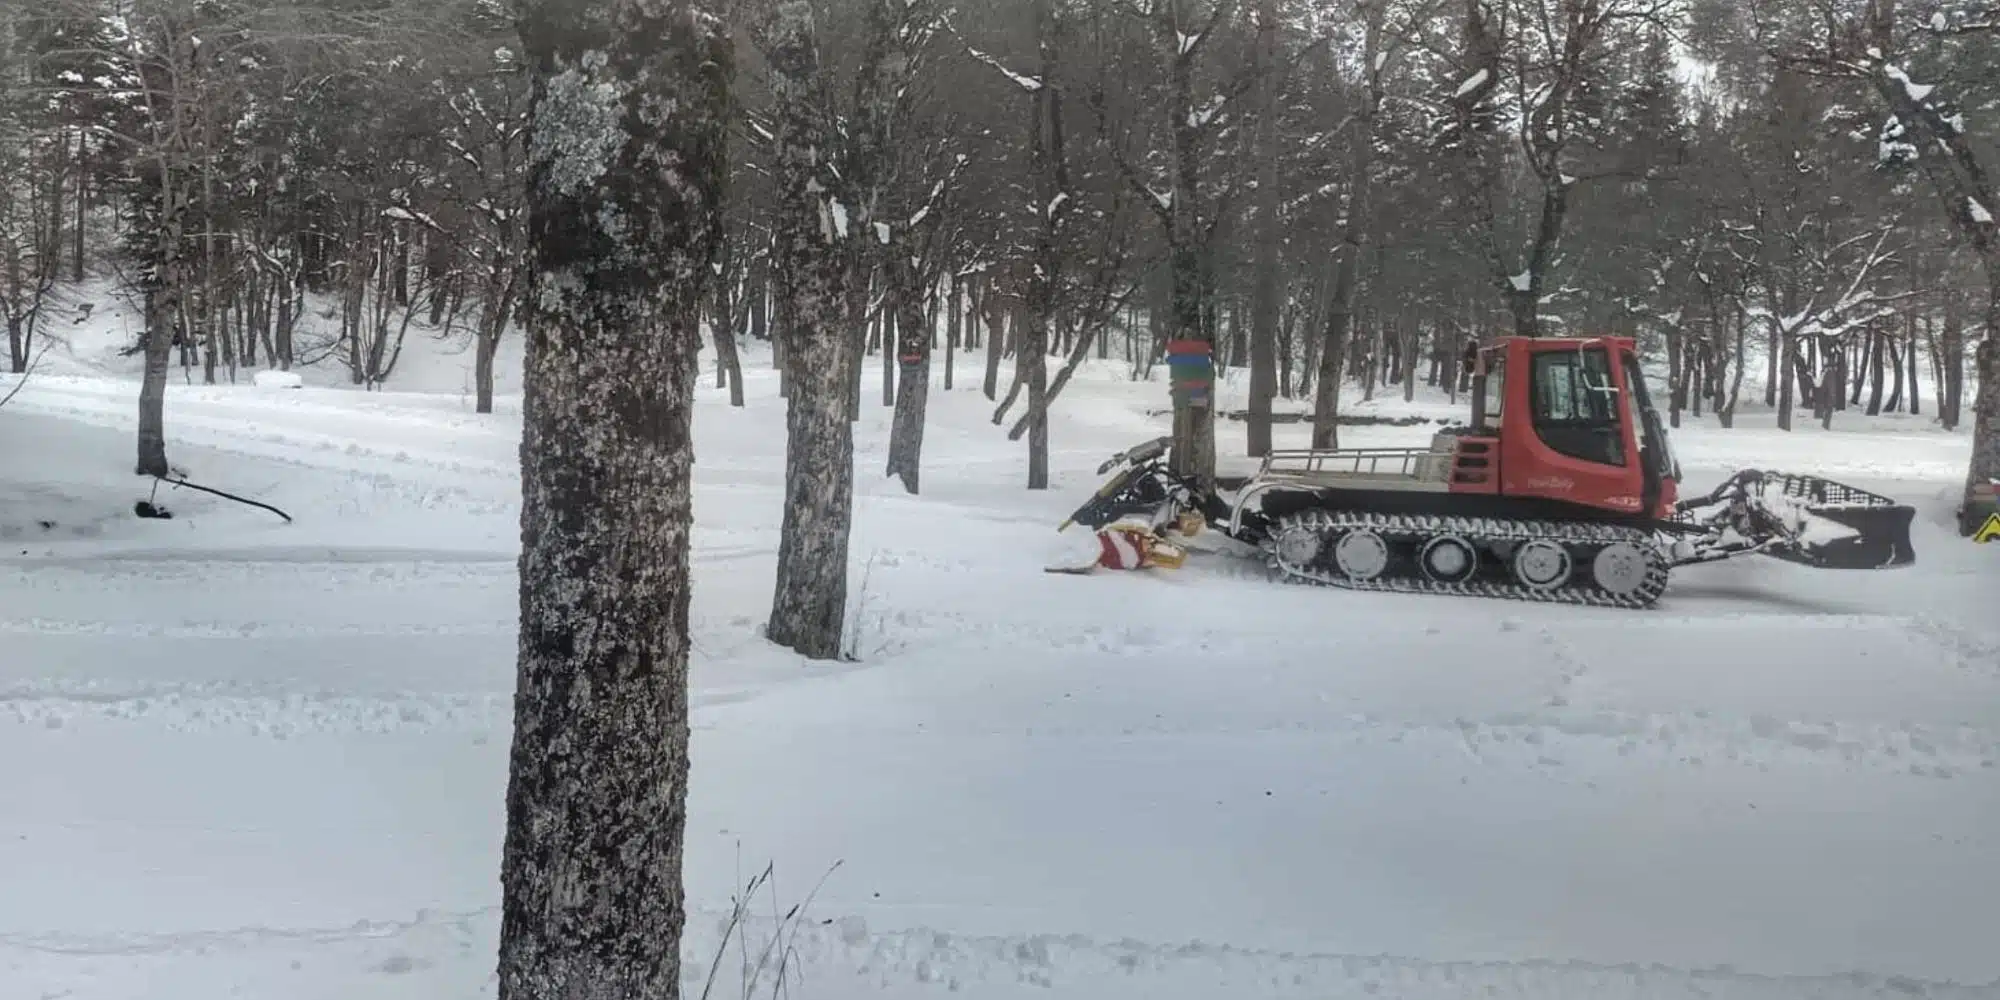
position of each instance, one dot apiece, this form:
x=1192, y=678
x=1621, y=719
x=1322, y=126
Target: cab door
x=1568, y=439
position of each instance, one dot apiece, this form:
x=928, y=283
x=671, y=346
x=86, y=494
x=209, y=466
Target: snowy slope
x=267, y=760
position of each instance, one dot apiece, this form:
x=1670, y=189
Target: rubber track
x=1403, y=527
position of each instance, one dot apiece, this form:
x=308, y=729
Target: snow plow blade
x=1835, y=526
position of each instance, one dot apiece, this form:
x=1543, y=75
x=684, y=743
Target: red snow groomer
x=1563, y=488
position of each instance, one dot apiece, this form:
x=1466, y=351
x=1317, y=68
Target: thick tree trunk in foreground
x=810, y=603
x=625, y=197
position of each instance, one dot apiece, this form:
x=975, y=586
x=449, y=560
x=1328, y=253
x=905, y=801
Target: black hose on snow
x=145, y=508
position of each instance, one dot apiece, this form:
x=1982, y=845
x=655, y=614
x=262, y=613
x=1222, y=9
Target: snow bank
x=271, y=379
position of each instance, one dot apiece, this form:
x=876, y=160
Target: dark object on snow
x=148, y=509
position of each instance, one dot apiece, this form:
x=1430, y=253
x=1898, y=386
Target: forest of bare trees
x=1328, y=192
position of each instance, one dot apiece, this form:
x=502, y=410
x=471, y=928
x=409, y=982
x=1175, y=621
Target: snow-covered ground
x=261, y=760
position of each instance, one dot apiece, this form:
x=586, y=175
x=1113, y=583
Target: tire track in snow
x=1552, y=741
x=213, y=708
x=843, y=955
x=1976, y=653
x=245, y=630
x=1555, y=737
x=244, y=710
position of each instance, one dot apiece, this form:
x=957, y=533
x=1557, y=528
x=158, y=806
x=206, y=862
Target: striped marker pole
x=1191, y=366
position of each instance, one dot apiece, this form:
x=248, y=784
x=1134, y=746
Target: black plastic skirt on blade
x=1868, y=530
x=1880, y=539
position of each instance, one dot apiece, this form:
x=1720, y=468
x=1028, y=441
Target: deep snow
x=266, y=760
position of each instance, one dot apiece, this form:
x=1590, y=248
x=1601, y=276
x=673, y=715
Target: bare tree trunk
x=1785, y=375
x=1951, y=350
x=989, y=317
x=291, y=302
x=758, y=293
x=1333, y=357
x=1050, y=161
x=1876, y=348
x=1895, y=366
x=163, y=324
x=161, y=320
x=1355, y=239
x=1910, y=352
x=809, y=605
x=1412, y=341
x=1725, y=414
x=912, y=351
x=954, y=328
x=886, y=334
x=729, y=363
x=1264, y=310
x=1677, y=375
x=859, y=289
x=82, y=206
x=1774, y=350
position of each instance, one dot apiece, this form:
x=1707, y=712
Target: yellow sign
x=1990, y=532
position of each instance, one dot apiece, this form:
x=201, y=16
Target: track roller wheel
x=1448, y=559
x=1622, y=569
x=1361, y=554
x=1298, y=545
x=1542, y=565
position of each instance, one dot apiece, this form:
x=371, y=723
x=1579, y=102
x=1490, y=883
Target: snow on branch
x=1026, y=83
x=402, y=214
x=1965, y=22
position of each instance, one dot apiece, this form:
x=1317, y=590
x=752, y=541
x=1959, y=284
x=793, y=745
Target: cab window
x=1576, y=405
x=1496, y=389
x=1653, y=447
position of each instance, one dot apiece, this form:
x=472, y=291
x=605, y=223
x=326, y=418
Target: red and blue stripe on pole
x=1191, y=366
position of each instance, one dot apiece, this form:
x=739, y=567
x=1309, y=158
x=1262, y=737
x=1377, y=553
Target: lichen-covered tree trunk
x=809, y=249
x=625, y=191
